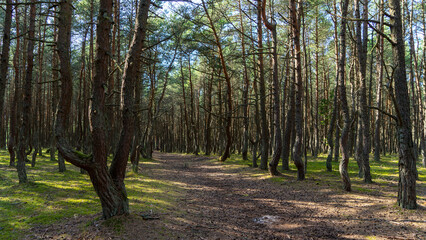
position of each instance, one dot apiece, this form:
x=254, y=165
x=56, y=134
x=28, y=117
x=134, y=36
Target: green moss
x=51, y=196
x=82, y=155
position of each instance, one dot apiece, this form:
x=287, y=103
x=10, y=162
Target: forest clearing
x=217, y=119
x=193, y=197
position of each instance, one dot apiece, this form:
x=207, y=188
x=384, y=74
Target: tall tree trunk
x=208, y=115
x=333, y=124
x=24, y=138
x=14, y=104
x=55, y=93
x=273, y=164
x=264, y=140
x=185, y=110
x=226, y=154
x=195, y=146
x=424, y=80
x=298, y=114
x=344, y=147
x=379, y=80
x=246, y=88
x=364, y=131
x=407, y=161
x=4, y=65
x=289, y=124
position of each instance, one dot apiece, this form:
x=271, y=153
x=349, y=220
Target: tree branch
x=385, y=113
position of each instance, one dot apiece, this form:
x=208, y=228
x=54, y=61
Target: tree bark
x=364, y=131
x=264, y=140
x=24, y=138
x=378, y=120
x=273, y=164
x=407, y=161
x=344, y=147
x=244, y=150
x=14, y=104
x=298, y=114
x=108, y=185
x=4, y=65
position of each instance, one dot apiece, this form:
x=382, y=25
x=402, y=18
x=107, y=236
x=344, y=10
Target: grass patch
x=51, y=196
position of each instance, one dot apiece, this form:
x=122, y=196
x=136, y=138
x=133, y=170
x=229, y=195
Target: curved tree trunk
x=109, y=185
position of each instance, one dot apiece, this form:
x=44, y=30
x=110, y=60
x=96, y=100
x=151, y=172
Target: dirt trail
x=232, y=202
x=224, y=202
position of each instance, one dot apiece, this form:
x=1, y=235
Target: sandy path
x=225, y=202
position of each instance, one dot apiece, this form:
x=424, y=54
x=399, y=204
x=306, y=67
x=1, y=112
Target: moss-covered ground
x=50, y=196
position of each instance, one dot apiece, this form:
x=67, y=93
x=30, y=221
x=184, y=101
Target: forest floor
x=197, y=197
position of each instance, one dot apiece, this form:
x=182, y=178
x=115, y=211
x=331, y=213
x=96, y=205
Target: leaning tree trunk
x=407, y=160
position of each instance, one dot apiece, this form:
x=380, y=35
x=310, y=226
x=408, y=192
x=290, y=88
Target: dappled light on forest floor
x=183, y=196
